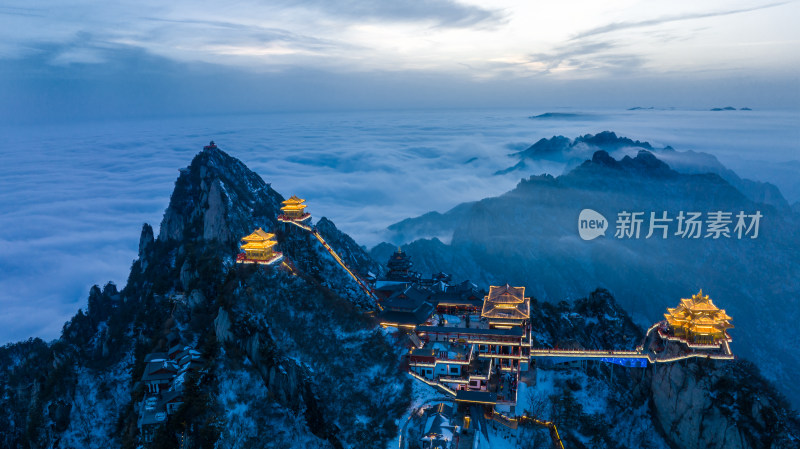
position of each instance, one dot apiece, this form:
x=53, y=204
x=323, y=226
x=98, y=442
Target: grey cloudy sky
x=74, y=59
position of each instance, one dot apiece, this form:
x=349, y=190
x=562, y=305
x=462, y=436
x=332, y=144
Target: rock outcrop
x=720, y=405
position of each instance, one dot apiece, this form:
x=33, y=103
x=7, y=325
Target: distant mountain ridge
x=573, y=152
x=528, y=236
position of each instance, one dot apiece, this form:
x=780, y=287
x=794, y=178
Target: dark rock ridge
x=562, y=116
x=214, y=191
x=529, y=236
x=573, y=152
x=274, y=341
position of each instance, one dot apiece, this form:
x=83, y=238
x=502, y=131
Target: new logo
x=591, y=224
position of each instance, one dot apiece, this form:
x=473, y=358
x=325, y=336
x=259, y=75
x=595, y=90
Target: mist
x=74, y=196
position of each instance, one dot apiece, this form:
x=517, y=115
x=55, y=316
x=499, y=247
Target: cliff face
x=218, y=198
x=709, y=404
x=684, y=407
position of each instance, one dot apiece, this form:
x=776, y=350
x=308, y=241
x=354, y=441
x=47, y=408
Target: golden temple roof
x=259, y=235
x=293, y=200
x=293, y=206
x=699, y=315
x=506, y=302
x=506, y=293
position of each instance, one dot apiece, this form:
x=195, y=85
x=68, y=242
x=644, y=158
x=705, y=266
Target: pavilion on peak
x=294, y=209
x=259, y=247
x=506, y=306
x=698, y=321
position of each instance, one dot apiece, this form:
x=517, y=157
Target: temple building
x=699, y=322
x=464, y=299
x=506, y=307
x=259, y=247
x=294, y=209
x=405, y=306
x=438, y=429
x=399, y=272
x=400, y=265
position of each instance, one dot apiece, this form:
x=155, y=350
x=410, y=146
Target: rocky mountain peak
x=610, y=140
x=146, y=239
x=602, y=158
x=645, y=164
x=218, y=198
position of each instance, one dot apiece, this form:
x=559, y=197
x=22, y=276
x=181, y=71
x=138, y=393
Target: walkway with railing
x=639, y=357
x=335, y=256
x=551, y=426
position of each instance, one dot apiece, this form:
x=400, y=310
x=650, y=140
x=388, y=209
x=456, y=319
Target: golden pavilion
x=258, y=247
x=698, y=321
x=294, y=209
x=506, y=306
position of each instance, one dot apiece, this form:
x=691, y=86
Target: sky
x=66, y=60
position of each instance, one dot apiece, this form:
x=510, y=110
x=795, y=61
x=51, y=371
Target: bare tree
x=537, y=404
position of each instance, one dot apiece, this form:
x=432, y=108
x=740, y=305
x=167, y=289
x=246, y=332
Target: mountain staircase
x=336, y=257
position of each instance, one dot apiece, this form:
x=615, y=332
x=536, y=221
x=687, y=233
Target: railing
x=331, y=251
x=551, y=426
x=341, y=262
x=595, y=353
x=511, y=423
x=440, y=361
x=434, y=384
x=242, y=258
x=451, y=379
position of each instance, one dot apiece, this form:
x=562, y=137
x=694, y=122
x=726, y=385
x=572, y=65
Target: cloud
x=250, y=33
x=20, y=11
x=584, y=58
x=618, y=26
x=217, y=35
x=443, y=13
x=73, y=197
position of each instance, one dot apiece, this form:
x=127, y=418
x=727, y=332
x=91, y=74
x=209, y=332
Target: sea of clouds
x=73, y=197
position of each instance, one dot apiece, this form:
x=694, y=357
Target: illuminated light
x=293, y=208
x=698, y=321
x=243, y=259
x=259, y=247
x=475, y=402
x=506, y=303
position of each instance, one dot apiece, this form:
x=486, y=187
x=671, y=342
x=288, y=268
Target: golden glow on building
x=259, y=245
x=699, y=321
x=506, y=306
x=293, y=208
